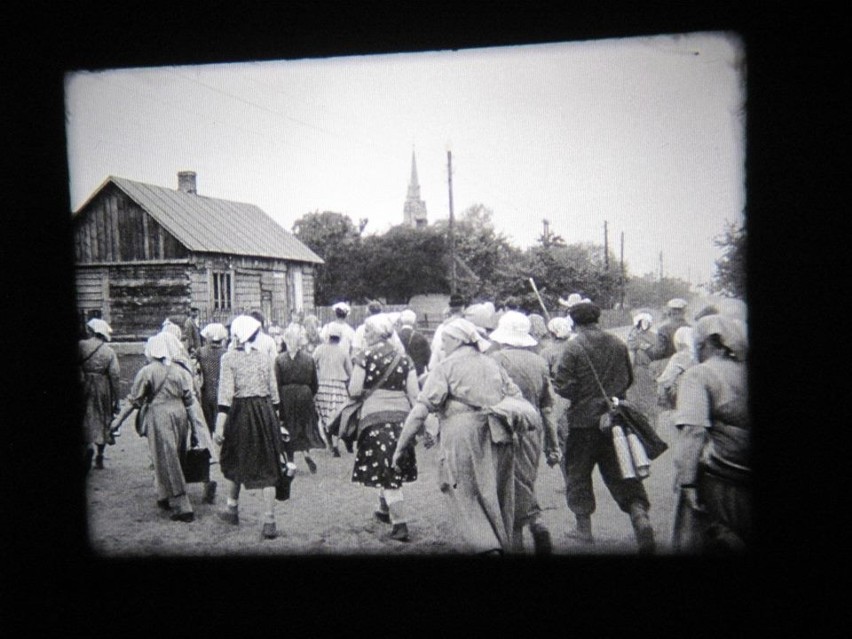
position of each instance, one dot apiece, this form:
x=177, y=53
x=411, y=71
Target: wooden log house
x=145, y=252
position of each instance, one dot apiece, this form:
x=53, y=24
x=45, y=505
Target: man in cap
x=416, y=345
x=665, y=348
x=347, y=333
x=457, y=305
x=593, y=359
x=191, y=332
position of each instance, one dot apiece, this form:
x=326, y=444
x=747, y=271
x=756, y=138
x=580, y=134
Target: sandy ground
x=329, y=515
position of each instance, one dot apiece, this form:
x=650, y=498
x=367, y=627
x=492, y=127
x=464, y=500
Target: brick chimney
x=186, y=182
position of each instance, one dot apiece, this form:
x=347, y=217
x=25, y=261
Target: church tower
x=414, y=211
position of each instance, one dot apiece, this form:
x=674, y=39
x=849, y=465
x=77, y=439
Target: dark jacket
x=576, y=382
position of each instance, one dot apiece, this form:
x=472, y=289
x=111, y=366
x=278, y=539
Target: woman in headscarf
x=562, y=330
x=100, y=372
x=201, y=437
x=538, y=331
x=311, y=334
x=170, y=419
x=713, y=449
x=247, y=426
x=668, y=380
x=475, y=473
x=388, y=378
x=643, y=392
x=530, y=372
x=334, y=368
x=210, y=362
x=296, y=376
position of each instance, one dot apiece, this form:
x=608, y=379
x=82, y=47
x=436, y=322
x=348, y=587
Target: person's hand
x=428, y=440
x=395, y=459
x=690, y=496
x=553, y=458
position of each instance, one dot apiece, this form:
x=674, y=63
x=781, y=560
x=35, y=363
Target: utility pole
x=452, y=224
x=661, y=278
x=622, y=270
x=545, y=234
x=606, y=248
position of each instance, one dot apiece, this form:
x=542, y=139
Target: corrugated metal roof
x=210, y=225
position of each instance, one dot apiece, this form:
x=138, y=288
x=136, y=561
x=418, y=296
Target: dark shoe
x=335, y=451
x=110, y=440
x=209, y=493
x=230, y=516
x=399, y=532
x=163, y=504
x=383, y=517
x=541, y=540
x=269, y=531
x=583, y=531
x=99, y=462
x=185, y=517
x=311, y=465
x=642, y=529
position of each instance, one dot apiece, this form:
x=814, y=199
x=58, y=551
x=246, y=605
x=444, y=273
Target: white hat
x=243, y=327
x=100, y=327
x=573, y=299
x=676, y=302
x=343, y=306
x=513, y=329
x=214, y=332
x=560, y=327
x=408, y=317
x=481, y=315
x=335, y=330
x=643, y=315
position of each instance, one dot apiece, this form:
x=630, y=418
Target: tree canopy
x=730, y=276
x=407, y=261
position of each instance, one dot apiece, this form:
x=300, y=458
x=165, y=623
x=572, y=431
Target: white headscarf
x=466, y=331
x=174, y=329
x=560, y=327
x=381, y=324
x=242, y=328
x=214, y=332
x=157, y=347
x=639, y=317
x=100, y=327
x=408, y=317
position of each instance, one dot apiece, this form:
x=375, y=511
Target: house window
x=222, y=286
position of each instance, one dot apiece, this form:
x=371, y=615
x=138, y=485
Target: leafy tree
x=730, y=276
x=337, y=240
x=404, y=262
x=485, y=251
x=648, y=290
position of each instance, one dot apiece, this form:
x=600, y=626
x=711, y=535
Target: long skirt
x=478, y=478
x=724, y=526
x=643, y=392
x=168, y=436
x=251, y=450
x=299, y=417
x=99, y=404
x=376, y=446
x=332, y=394
x=527, y=457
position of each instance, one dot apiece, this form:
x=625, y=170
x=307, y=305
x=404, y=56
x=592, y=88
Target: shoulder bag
x=626, y=415
x=345, y=423
x=141, y=426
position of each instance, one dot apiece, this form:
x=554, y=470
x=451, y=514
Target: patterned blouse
x=246, y=374
x=376, y=358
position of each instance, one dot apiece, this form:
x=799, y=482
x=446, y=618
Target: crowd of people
x=497, y=391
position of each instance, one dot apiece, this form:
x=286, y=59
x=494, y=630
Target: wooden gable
x=112, y=228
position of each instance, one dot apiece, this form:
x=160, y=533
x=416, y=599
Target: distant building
x=414, y=210
x=144, y=253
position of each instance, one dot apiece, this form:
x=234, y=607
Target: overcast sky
x=644, y=133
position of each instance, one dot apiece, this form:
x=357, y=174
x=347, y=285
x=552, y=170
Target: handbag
x=196, y=465
x=282, y=486
x=142, y=411
x=630, y=418
x=345, y=423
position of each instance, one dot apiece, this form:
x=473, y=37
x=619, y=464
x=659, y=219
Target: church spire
x=414, y=210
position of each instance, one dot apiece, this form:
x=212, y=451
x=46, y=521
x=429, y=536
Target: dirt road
x=328, y=514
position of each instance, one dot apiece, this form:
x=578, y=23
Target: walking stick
x=540, y=301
